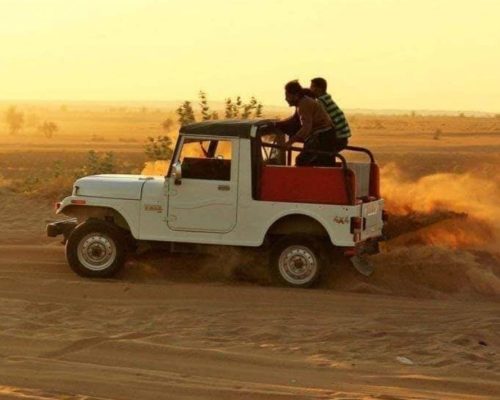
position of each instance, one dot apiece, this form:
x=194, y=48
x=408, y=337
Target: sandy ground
x=167, y=329
x=62, y=336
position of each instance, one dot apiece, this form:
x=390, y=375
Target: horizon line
x=368, y=109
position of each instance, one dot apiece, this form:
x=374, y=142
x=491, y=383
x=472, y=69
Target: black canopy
x=225, y=127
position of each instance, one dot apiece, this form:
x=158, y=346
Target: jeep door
x=204, y=198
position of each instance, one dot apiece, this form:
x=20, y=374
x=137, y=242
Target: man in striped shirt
x=342, y=130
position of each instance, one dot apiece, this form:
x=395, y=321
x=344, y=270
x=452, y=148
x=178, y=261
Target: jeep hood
x=127, y=187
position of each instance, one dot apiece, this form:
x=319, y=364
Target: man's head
x=318, y=86
x=293, y=93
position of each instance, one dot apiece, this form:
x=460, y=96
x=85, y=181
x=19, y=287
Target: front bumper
x=61, y=228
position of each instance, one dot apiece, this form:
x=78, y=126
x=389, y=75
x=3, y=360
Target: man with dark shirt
x=310, y=124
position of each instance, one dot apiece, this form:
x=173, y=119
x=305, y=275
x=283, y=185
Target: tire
x=298, y=261
x=96, y=248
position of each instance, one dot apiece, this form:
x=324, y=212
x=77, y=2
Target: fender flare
x=82, y=212
x=319, y=224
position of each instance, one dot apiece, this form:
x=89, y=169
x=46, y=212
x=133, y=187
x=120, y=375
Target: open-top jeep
x=230, y=182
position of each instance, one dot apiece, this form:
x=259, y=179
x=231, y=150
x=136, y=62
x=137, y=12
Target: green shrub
x=159, y=148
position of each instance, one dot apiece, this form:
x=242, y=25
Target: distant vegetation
x=92, y=139
x=159, y=148
x=54, y=179
x=232, y=109
x=17, y=120
x=14, y=119
x=48, y=128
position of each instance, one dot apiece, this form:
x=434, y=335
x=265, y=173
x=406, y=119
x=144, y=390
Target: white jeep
x=232, y=183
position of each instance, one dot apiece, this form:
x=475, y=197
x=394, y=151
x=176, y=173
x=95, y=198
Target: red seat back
x=307, y=185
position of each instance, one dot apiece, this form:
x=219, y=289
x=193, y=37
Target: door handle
x=224, y=187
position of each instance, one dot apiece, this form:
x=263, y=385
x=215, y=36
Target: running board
x=362, y=265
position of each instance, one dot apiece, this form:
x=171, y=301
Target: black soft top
x=225, y=127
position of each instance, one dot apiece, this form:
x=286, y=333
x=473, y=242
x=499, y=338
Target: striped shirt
x=337, y=116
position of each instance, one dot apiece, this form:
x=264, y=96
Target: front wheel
x=96, y=248
x=298, y=261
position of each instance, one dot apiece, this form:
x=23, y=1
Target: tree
x=167, y=124
x=254, y=106
x=205, y=109
x=248, y=110
x=185, y=113
x=48, y=128
x=15, y=120
x=236, y=109
x=206, y=114
x=228, y=111
x=159, y=148
x=258, y=110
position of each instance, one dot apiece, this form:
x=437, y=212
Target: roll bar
x=362, y=150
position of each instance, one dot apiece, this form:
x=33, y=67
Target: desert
x=423, y=326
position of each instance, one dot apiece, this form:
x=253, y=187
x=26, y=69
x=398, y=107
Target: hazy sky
x=405, y=54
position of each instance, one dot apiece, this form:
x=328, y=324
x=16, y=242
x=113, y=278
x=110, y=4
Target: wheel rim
x=298, y=265
x=96, y=251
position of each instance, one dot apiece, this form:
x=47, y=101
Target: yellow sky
x=397, y=54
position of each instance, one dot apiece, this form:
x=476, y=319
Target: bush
x=159, y=148
x=15, y=120
x=99, y=164
x=48, y=129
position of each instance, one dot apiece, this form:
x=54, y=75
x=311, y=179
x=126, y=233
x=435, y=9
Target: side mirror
x=177, y=173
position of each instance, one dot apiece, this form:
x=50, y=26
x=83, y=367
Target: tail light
x=357, y=224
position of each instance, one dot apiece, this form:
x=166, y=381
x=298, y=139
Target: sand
x=182, y=327
x=425, y=325
x=62, y=336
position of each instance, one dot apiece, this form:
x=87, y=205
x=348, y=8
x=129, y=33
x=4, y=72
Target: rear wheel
x=298, y=261
x=96, y=248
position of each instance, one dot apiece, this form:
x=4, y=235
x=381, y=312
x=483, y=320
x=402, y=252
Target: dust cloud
x=442, y=240
x=442, y=236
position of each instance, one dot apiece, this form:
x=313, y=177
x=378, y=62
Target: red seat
x=307, y=185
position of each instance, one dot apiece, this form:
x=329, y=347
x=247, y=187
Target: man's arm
x=290, y=125
x=305, y=112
